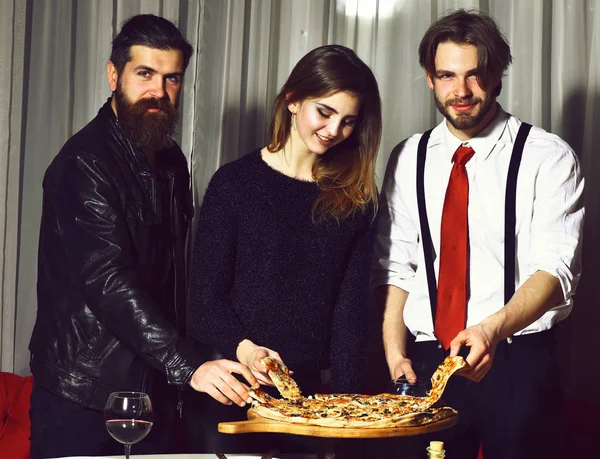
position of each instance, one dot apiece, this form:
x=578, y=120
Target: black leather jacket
x=104, y=319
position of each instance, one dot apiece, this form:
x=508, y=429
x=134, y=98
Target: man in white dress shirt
x=521, y=253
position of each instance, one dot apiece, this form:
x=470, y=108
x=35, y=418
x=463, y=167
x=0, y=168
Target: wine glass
x=128, y=417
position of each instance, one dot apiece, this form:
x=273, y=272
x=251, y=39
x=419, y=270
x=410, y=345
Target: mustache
x=459, y=101
x=140, y=107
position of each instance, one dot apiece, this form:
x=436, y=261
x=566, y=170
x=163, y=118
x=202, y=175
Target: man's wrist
x=493, y=326
x=395, y=357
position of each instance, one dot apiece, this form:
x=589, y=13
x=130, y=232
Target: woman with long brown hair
x=282, y=258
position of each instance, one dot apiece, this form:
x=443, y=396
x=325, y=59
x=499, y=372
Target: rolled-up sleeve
x=397, y=239
x=557, y=223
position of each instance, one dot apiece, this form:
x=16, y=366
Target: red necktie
x=451, y=310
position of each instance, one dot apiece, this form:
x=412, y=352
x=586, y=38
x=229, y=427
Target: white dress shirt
x=549, y=219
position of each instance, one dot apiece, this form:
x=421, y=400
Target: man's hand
x=215, y=379
x=250, y=354
x=531, y=301
x=483, y=346
x=403, y=367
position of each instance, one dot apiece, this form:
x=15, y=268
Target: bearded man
x=111, y=269
x=479, y=249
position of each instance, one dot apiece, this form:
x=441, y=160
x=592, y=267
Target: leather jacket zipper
x=175, y=270
x=180, y=402
x=145, y=381
x=172, y=225
x=153, y=196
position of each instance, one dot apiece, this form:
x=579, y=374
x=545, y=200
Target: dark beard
x=465, y=121
x=147, y=130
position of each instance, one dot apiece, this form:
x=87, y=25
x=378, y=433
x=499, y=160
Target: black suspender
x=425, y=233
x=510, y=215
x=509, y=218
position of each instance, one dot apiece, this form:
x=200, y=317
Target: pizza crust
x=405, y=420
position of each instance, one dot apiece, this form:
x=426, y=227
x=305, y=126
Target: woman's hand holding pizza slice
x=251, y=355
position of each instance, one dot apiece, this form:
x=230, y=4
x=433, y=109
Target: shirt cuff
x=404, y=284
x=568, y=282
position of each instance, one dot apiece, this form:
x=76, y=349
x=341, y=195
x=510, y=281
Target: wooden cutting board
x=259, y=424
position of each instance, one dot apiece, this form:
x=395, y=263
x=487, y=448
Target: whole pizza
x=351, y=410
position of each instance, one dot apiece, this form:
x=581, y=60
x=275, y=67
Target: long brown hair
x=473, y=28
x=346, y=172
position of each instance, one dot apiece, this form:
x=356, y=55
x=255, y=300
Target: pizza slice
x=440, y=377
x=259, y=395
x=280, y=375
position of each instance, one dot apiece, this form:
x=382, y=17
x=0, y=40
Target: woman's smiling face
x=324, y=122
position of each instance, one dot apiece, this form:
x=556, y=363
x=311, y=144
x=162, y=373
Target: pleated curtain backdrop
x=12, y=58
x=244, y=51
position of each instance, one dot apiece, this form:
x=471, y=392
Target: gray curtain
x=12, y=63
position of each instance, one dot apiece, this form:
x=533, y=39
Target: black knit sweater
x=262, y=269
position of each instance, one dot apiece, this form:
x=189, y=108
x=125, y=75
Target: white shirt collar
x=484, y=142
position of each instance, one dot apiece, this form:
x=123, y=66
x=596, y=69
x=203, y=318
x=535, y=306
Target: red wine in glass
x=128, y=417
x=128, y=431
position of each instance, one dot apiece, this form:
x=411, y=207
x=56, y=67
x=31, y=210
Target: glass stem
x=127, y=451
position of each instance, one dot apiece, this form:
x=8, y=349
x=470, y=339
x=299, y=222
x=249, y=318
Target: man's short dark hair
x=473, y=28
x=150, y=31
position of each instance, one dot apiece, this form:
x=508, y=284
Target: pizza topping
x=441, y=376
x=353, y=410
x=280, y=375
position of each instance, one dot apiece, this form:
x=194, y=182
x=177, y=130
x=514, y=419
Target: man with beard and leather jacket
x=111, y=268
